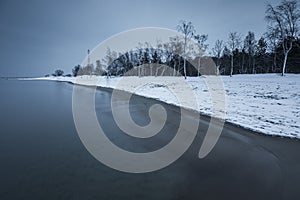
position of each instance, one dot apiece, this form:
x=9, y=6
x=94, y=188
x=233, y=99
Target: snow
x=265, y=103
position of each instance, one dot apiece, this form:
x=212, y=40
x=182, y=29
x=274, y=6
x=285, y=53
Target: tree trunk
x=178, y=72
x=199, y=63
x=274, y=62
x=174, y=69
x=243, y=62
x=184, y=68
x=184, y=61
x=231, y=69
x=163, y=71
x=249, y=64
x=218, y=66
x=284, y=63
x=286, y=52
x=253, y=66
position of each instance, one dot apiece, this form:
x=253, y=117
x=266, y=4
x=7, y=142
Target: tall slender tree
x=272, y=44
x=188, y=30
x=249, y=44
x=283, y=21
x=233, y=43
x=261, y=54
x=201, y=48
x=216, y=51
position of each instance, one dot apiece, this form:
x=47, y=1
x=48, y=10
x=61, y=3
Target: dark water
x=42, y=157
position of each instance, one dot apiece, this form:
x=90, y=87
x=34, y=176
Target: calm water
x=42, y=157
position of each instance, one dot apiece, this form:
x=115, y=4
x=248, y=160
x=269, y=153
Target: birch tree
x=201, y=48
x=233, y=44
x=283, y=21
x=217, y=51
x=175, y=46
x=188, y=30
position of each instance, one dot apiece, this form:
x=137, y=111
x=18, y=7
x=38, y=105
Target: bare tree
x=272, y=41
x=86, y=70
x=217, y=51
x=99, y=68
x=249, y=44
x=234, y=42
x=159, y=55
x=202, y=47
x=175, y=46
x=188, y=31
x=283, y=22
x=108, y=60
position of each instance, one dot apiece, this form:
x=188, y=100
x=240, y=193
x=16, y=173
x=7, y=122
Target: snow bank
x=266, y=103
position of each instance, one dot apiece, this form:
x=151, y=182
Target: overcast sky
x=39, y=36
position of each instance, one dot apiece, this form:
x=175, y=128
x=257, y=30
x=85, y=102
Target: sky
x=39, y=36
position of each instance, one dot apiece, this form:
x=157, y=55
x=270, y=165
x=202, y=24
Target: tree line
x=276, y=51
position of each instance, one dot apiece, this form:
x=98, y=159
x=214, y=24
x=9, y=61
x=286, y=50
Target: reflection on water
x=42, y=157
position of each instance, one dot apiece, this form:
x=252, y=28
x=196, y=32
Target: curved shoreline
x=252, y=124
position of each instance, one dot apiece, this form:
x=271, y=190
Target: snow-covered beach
x=265, y=103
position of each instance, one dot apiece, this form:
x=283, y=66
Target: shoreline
x=90, y=81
